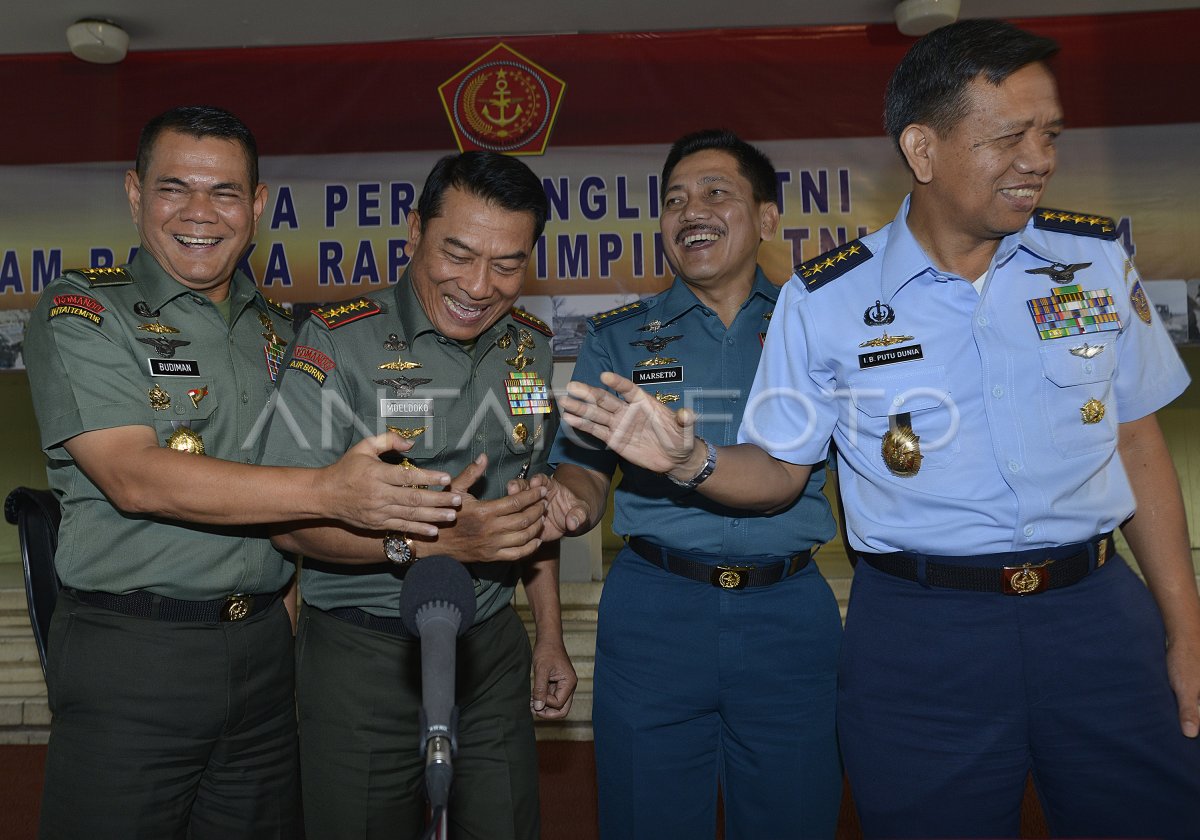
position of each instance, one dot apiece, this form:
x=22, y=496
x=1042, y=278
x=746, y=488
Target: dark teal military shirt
x=140, y=349
x=680, y=351
x=365, y=365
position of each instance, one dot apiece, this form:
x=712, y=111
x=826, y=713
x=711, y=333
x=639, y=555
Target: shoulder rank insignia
x=278, y=308
x=612, y=316
x=341, y=314
x=1062, y=221
x=529, y=320
x=104, y=276
x=832, y=264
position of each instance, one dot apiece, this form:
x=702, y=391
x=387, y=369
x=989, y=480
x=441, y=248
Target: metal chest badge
x=901, y=446
x=524, y=342
x=275, y=347
x=183, y=439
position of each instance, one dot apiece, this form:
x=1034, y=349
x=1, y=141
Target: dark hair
x=929, y=85
x=198, y=121
x=752, y=163
x=503, y=180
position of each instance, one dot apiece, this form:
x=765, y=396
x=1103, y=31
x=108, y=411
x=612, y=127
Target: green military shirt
x=361, y=367
x=108, y=348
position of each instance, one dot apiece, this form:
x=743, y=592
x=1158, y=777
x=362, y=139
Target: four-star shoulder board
x=832, y=264
x=530, y=320
x=341, y=314
x=613, y=316
x=97, y=277
x=1080, y=224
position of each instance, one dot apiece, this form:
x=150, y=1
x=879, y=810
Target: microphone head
x=432, y=580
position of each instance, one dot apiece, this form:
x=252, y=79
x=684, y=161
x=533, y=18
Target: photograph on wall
x=1193, y=305
x=12, y=337
x=567, y=315
x=1170, y=301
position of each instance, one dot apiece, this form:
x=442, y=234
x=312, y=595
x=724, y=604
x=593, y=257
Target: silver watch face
x=397, y=550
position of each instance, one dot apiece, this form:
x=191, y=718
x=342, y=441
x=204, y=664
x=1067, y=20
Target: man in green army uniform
x=170, y=667
x=441, y=359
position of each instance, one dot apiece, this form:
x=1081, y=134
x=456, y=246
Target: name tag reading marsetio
x=174, y=367
x=406, y=407
x=658, y=375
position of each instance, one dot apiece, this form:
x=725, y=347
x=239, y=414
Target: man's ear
x=916, y=144
x=768, y=220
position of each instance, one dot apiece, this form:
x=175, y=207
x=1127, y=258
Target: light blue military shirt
x=1016, y=391
x=700, y=364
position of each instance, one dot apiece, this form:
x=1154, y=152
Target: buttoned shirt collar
x=158, y=288
x=680, y=298
x=414, y=321
x=904, y=259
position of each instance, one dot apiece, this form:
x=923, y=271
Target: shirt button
x=245, y=398
x=729, y=340
x=997, y=392
x=1088, y=367
x=897, y=400
x=735, y=523
x=1013, y=466
x=179, y=409
x=1028, y=530
x=982, y=321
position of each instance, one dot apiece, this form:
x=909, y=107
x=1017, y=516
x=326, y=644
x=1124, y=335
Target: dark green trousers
x=359, y=696
x=167, y=729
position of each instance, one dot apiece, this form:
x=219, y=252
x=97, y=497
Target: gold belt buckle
x=236, y=607
x=1026, y=579
x=731, y=577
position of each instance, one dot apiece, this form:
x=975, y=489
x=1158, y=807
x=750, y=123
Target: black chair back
x=36, y=514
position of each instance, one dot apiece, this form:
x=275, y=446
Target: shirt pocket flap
x=1066, y=368
x=910, y=392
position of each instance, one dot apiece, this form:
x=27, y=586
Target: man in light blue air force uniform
x=989, y=370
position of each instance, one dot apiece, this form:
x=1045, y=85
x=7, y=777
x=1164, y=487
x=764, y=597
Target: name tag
x=658, y=375
x=406, y=408
x=890, y=357
x=174, y=367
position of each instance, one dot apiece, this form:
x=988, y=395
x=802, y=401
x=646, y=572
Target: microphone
x=437, y=604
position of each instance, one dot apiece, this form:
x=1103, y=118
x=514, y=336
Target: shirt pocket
x=923, y=395
x=196, y=411
x=1076, y=397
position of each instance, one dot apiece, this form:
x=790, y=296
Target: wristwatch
x=710, y=464
x=399, y=549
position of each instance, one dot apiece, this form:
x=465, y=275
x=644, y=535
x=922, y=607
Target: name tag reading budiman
x=406, y=407
x=174, y=367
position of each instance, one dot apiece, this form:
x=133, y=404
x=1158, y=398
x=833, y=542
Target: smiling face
x=195, y=209
x=468, y=262
x=711, y=224
x=986, y=176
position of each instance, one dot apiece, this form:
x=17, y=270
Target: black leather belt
x=142, y=604
x=381, y=623
x=725, y=575
x=1026, y=572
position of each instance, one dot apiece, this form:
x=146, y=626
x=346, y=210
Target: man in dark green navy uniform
x=442, y=359
x=170, y=668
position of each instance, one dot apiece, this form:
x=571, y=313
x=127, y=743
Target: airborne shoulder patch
x=613, y=316
x=278, y=308
x=341, y=314
x=832, y=264
x=531, y=320
x=1080, y=224
x=97, y=277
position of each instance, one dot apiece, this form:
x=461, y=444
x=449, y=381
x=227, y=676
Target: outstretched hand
x=507, y=528
x=632, y=423
x=366, y=492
